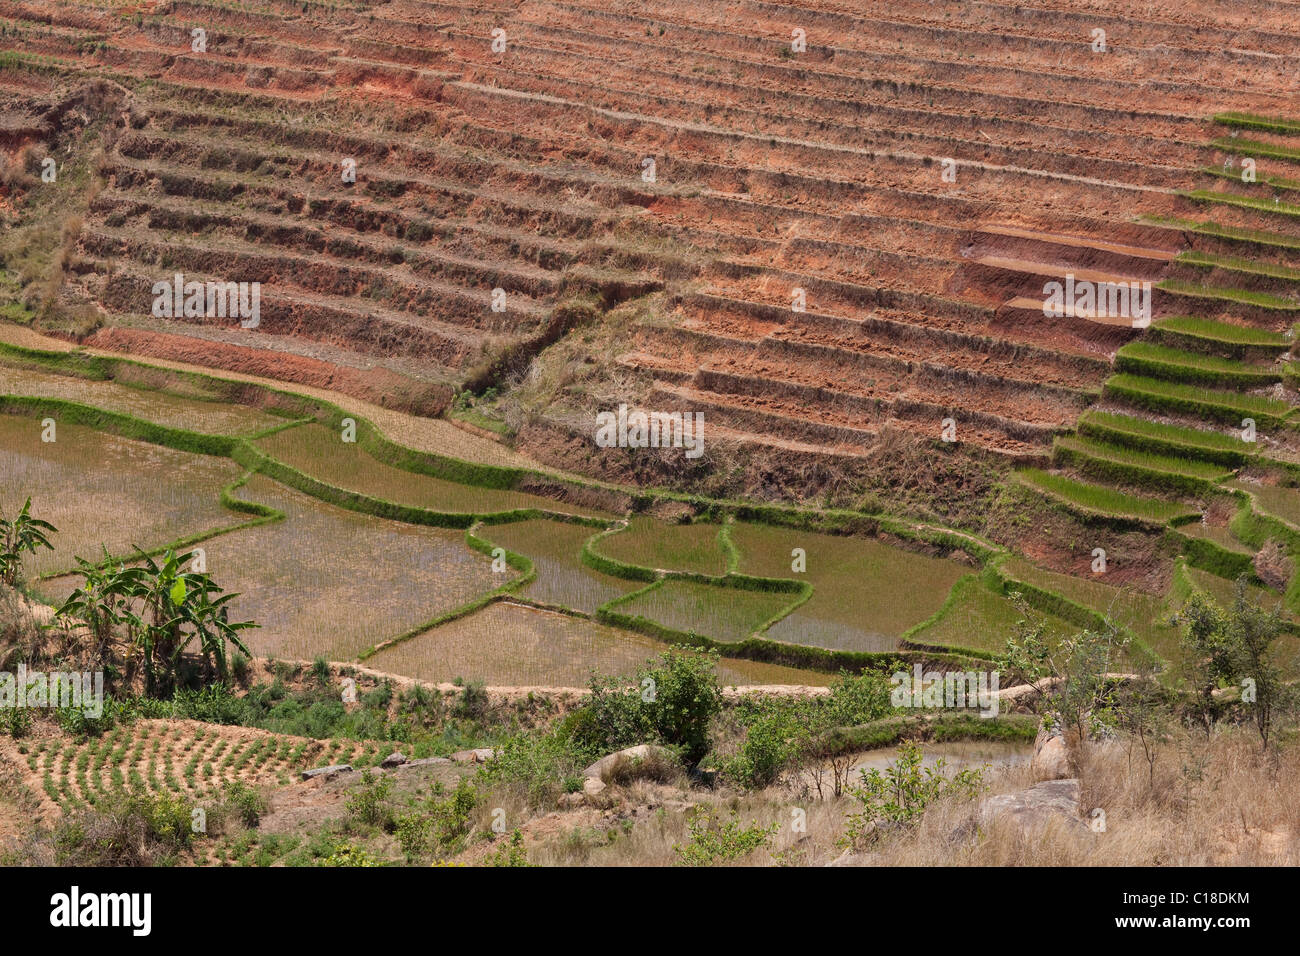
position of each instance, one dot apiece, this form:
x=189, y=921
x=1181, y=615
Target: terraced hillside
x=833, y=222
x=831, y=229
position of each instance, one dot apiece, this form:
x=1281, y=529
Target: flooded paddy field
x=98, y=489
x=866, y=593
x=723, y=614
x=982, y=619
x=670, y=547
x=193, y=413
x=325, y=581
x=555, y=548
x=512, y=644
x=321, y=452
x=334, y=582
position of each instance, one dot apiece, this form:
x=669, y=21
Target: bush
x=781, y=732
x=245, y=802
x=125, y=830
x=440, y=825
x=899, y=796
x=17, y=721
x=368, y=805
x=213, y=705
x=473, y=702
x=675, y=700
x=75, y=721
x=770, y=743
x=511, y=853
x=543, y=765
x=712, y=843
x=661, y=766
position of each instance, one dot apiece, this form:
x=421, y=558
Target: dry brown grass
x=1209, y=803
x=1215, y=803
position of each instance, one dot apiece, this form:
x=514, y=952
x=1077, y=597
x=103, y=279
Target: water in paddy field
x=555, y=548
x=512, y=644
x=956, y=755
x=101, y=490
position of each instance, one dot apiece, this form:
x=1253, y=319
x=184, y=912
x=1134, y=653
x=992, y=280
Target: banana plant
x=212, y=626
x=162, y=588
x=23, y=533
x=102, y=601
x=178, y=606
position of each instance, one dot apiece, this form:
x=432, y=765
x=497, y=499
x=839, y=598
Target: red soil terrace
x=775, y=170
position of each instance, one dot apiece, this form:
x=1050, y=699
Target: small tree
x=1207, y=657
x=1143, y=713
x=675, y=699
x=1081, y=695
x=900, y=795
x=1251, y=634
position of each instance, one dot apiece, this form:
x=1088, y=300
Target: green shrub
x=902, y=793
x=673, y=702
x=369, y=804
x=125, y=830
x=214, y=704
x=511, y=853
x=440, y=824
x=712, y=843
x=245, y=802
x=542, y=765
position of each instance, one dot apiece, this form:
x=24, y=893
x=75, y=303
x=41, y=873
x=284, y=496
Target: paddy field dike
x=828, y=229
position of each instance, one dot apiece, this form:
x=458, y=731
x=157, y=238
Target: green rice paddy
x=722, y=614
x=866, y=593
x=1278, y=500
x=1145, y=615
x=334, y=582
x=101, y=489
x=1101, y=499
x=555, y=548
x=983, y=619
x=1223, y=331
x=512, y=644
x=669, y=547
x=322, y=453
x=1220, y=534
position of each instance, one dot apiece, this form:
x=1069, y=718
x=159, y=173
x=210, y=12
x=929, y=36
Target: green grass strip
x=1114, y=463
x=1258, y=237
x=1174, y=440
x=1229, y=407
x=1105, y=504
x=1235, y=338
x=1211, y=260
x=1272, y=124
x=1260, y=182
x=959, y=725
x=1246, y=202
x=729, y=550
x=1161, y=361
x=1255, y=147
x=1262, y=300
x=120, y=424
